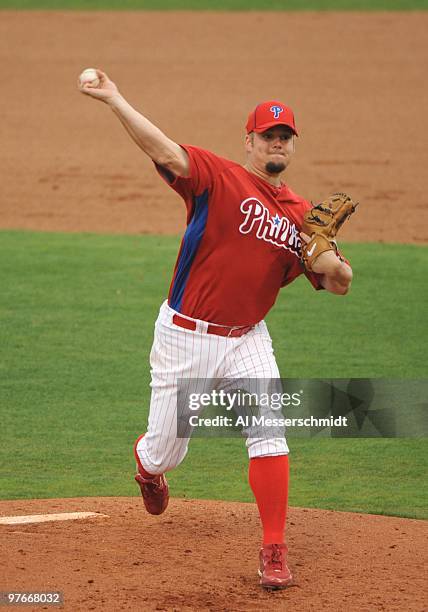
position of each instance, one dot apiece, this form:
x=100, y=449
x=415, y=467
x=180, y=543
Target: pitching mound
x=202, y=555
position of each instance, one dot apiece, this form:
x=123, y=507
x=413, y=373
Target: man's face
x=271, y=150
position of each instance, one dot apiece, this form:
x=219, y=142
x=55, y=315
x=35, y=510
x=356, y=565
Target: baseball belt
x=217, y=330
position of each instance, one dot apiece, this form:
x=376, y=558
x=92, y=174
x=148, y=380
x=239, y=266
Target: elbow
x=343, y=289
x=338, y=288
x=345, y=282
x=340, y=283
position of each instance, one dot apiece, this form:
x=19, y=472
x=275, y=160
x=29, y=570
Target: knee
x=161, y=460
x=166, y=465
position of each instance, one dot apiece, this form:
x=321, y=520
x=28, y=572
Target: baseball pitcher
x=248, y=234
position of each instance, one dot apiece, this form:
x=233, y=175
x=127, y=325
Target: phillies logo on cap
x=270, y=114
x=276, y=110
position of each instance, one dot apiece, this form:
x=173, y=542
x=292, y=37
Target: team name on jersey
x=274, y=229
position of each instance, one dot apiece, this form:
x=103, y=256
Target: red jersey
x=241, y=244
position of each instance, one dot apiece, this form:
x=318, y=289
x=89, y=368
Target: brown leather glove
x=321, y=223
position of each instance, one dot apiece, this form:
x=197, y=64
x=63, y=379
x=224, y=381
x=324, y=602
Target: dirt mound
x=202, y=555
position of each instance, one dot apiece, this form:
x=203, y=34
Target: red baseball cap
x=270, y=113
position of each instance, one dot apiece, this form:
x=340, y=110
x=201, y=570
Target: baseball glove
x=321, y=223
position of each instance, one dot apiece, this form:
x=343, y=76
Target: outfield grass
x=77, y=314
x=220, y=5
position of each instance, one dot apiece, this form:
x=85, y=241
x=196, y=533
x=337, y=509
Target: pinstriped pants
x=179, y=353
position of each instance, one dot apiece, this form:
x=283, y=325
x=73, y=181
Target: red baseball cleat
x=154, y=490
x=155, y=493
x=274, y=572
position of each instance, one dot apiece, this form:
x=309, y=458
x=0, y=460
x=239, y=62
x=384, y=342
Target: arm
x=336, y=275
x=161, y=149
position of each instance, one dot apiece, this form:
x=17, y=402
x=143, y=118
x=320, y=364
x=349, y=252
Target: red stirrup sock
x=268, y=478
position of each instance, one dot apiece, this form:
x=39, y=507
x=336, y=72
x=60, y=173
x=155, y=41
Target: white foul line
x=43, y=518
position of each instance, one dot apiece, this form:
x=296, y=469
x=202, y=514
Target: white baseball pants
x=179, y=353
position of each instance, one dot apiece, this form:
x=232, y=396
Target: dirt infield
x=202, y=555
x=354, y=81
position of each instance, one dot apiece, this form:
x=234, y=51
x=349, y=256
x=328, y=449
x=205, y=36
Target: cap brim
x=266, y=126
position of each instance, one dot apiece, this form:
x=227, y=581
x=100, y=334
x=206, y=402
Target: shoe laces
x=276, y=557
x=156, y=483
x=151, y=483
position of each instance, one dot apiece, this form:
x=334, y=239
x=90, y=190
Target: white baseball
x=89, y=76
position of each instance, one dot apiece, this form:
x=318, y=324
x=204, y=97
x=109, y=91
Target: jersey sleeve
x=204, y=167
x=314, y=279
x=295, y=270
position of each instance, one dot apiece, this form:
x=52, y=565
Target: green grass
x=76, y=317
x=220, y=5
x=375, y=476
